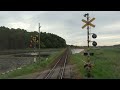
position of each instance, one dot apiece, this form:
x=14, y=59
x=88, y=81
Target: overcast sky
x=67, y=24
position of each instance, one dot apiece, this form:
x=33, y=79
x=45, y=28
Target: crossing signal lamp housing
x=94, y=43
x=94, y=36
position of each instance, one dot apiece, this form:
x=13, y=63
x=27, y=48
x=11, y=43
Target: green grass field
x=106, y=63
x=35, y=67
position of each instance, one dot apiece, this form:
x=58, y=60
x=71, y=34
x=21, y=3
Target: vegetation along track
x=58, y=69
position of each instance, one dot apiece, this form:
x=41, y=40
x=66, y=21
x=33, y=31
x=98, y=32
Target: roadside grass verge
x=76, y=59
x=106, y=63
x=35, y=67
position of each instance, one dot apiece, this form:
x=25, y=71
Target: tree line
x=21, y=39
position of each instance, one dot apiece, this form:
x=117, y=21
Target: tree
x=20, y=39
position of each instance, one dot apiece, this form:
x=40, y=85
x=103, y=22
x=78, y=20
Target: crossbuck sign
x=88, y=23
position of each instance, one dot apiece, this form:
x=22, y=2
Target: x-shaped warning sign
x=88, y=23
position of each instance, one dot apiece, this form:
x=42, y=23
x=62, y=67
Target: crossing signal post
x=88, y=23
x=33, y=43
x=34, y=40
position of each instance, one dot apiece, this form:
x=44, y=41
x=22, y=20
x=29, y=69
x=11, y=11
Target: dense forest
x=21, y=39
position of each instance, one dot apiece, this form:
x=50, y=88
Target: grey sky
x=67, y=24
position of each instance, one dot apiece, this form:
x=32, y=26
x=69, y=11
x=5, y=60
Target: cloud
x=106, y=37
x=67, y=24
x=19, y=24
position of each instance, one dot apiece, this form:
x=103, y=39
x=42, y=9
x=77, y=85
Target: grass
x=76, y=59
x=35, y=67
x=106, y=63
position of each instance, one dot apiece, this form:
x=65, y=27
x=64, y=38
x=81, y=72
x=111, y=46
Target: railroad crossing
x=88, y=65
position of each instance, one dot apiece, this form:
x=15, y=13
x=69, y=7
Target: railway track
x=58, y=69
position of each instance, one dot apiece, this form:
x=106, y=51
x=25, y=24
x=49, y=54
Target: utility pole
x=39, y=40
x=88, y=28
